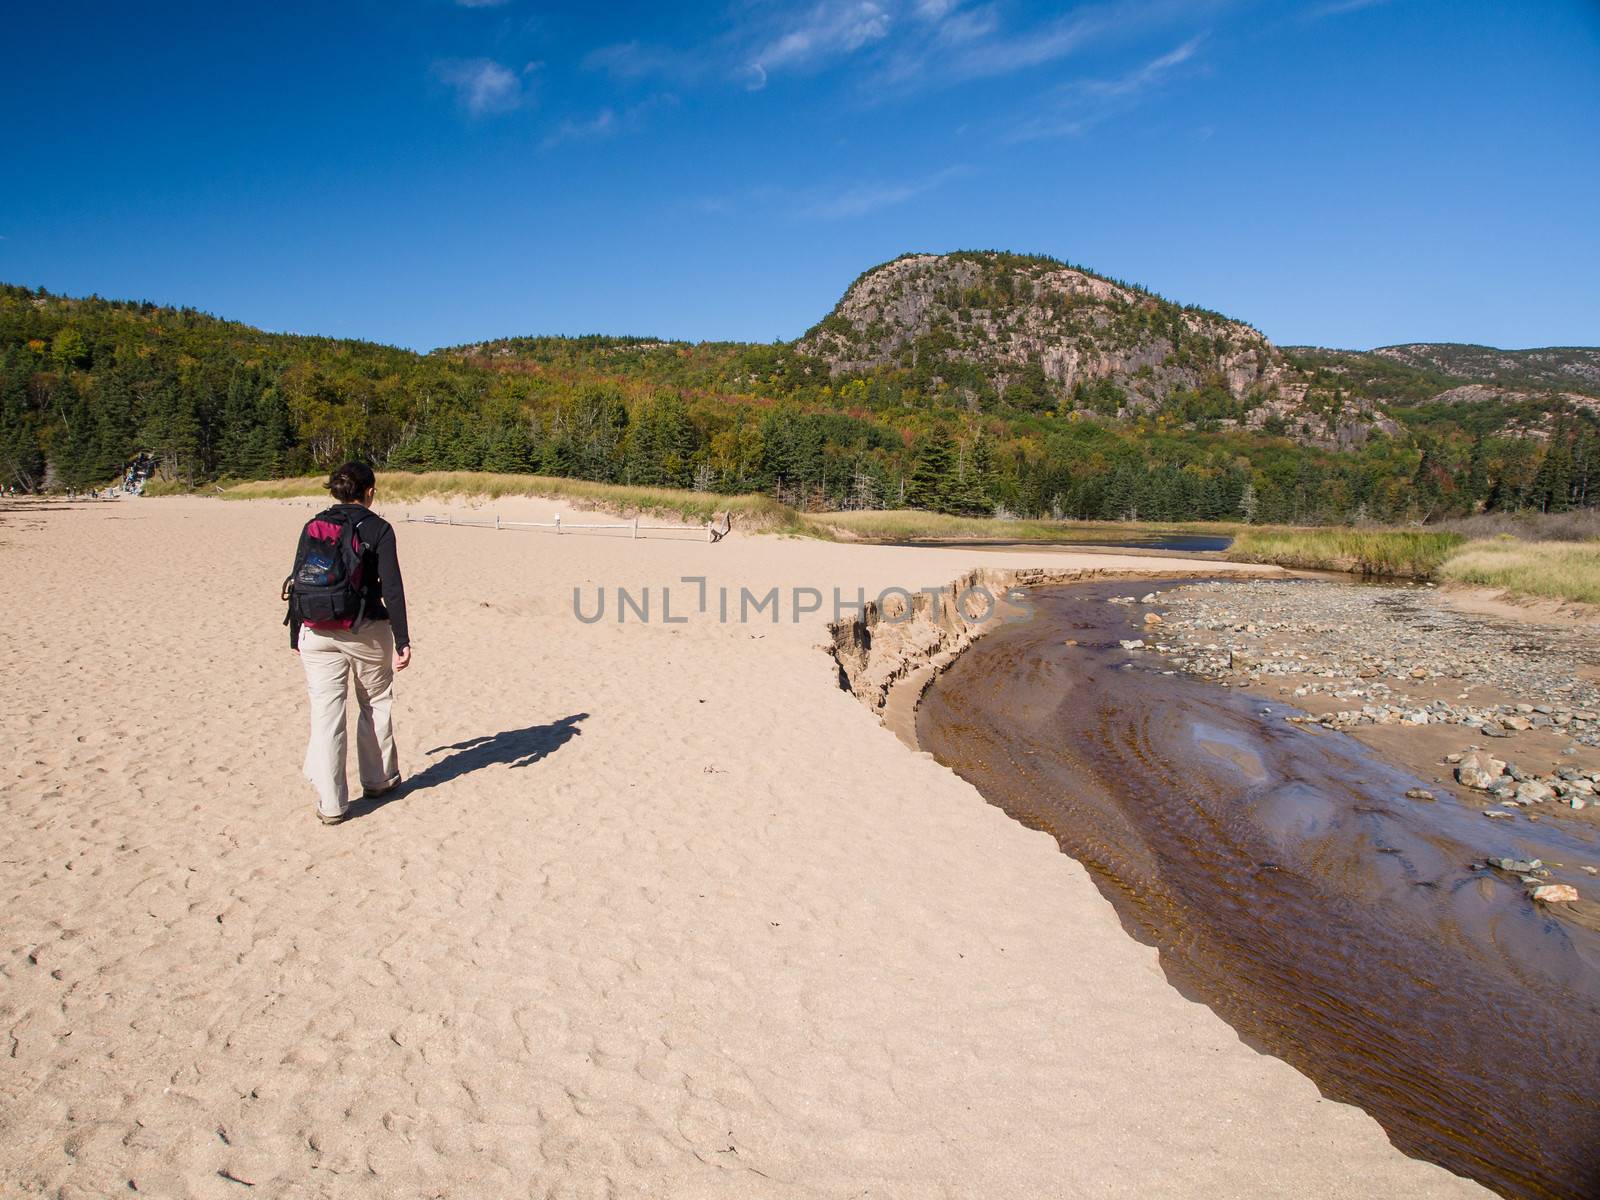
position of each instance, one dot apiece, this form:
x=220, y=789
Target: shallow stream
x=1290, y=884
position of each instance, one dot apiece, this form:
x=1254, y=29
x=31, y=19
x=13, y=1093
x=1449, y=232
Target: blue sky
x=428, y=172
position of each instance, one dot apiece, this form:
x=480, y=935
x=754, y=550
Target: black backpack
x=325, y=591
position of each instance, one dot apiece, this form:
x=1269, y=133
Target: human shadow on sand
x=512, y=748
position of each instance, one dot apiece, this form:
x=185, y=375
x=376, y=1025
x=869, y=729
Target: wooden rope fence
x=713, y=531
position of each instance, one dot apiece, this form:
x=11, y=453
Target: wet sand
x=1289, y=882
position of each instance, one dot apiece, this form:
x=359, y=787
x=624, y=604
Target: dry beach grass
x=405, y=487
x=662, y=912
x=1567, y=571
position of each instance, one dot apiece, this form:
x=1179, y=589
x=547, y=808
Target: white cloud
x=480, y=3
x=1339, y=7
x=966, y=26
x=608, y=122
x=896, y=45
x=859, y=200
x=577, y=129
x=830, y=30
x=1075, y=107
x=484, y=86
x=633, y=61
x=1146, y=76
x=984, y=57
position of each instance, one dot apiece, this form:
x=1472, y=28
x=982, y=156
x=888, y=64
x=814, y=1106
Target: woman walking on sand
x=347, y=614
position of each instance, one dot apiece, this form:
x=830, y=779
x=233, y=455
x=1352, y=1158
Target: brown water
x=1290, y=885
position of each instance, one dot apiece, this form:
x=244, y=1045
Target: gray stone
x=1479, y=770
x=1517, y=866
x=1531, y=791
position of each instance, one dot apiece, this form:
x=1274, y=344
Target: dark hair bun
x=351, y=482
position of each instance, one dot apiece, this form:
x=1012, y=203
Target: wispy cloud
x=629, y=62
x=969, y=43
x=608, y=122
x=996, y=53
x=479, y=3
x=842, y=203
x=583, y=129
x=827, y=31
x=871, y=197
x=1074, y=107
x=483, y=86
x=1339, y=8
x=899, y=45
x=1146, y=76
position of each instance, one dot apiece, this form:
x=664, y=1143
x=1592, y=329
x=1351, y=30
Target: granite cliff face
x=1061, y=337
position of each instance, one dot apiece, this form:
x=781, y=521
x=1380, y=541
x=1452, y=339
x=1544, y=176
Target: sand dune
x=662, y=913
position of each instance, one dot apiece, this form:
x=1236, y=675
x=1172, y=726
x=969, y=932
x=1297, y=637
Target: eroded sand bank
x=663, y=913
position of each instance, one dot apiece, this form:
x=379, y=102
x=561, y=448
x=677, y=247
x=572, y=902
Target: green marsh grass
x=1398, y=553
x=903, y=525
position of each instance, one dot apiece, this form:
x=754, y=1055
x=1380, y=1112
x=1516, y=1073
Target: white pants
x=329, y=656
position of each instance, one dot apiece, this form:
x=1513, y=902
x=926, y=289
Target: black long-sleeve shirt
x=383, y=592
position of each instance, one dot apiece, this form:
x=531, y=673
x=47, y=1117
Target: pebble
x=1519, y=866
x=1364, y=646
x=1367, y=643
x=1556, y=893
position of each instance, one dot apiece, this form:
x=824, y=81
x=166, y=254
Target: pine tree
x=1552, y=483
x=972, y=491
x=933, y=474
x=113, y=424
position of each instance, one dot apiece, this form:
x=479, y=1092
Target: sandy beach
x=662, y=911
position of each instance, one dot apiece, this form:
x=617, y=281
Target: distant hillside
x=1553, y=368
x=1459, y=388
x=968, y=382
x=1037, y=333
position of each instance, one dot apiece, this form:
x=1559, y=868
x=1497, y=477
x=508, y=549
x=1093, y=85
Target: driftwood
x=717, y=534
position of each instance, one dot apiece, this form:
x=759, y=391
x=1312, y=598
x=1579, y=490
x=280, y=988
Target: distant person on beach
x=347, y=613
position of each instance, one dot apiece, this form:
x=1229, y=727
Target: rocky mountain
x=1518, y=392
x=1032, y=332
x=1554, y=368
